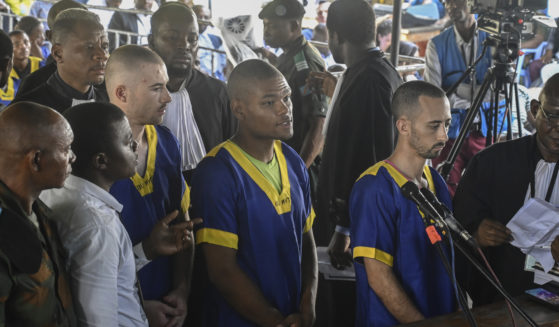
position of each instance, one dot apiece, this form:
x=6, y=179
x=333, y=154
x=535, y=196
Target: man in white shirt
x=101, y=257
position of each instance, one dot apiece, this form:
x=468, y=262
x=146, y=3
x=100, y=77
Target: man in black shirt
x=42, y=74
x=80, y=48
x=174, y=36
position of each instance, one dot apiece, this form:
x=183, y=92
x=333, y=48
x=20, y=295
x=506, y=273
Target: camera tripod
x=502, y=75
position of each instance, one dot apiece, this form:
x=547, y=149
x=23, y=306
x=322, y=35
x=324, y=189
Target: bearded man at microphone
x=400, y=277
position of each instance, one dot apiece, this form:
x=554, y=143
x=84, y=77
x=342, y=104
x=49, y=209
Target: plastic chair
x=523, y=71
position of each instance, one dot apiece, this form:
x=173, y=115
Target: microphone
x=448, y=218
x=411, y=191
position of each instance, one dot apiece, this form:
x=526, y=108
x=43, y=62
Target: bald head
x=550, y=91
x=35, y=151
x=247, y=75
x=25, y=126
x=123, y=65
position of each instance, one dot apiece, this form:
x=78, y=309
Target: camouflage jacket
x=33, y=286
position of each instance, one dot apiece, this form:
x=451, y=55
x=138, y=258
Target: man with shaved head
x=80, y=48
x=35, y=155
x=498, y=182
x=42, y=74
x=387, y=232
x=253, y=192
x=136, y=83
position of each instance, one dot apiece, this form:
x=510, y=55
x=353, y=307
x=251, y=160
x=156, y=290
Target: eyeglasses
x=551, y=119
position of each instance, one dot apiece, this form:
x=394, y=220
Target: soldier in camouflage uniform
x=35, y=155
x=282, y=29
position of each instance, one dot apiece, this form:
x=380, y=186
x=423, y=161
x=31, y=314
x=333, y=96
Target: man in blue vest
x=448, y=55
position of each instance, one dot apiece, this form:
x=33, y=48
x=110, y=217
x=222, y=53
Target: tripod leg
x=518, y=116
x=466, y=126
x=508, y=112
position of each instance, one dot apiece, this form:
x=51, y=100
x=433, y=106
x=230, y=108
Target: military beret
x=282, y=9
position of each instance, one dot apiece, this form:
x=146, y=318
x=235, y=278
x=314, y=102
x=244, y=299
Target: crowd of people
x=146, y=182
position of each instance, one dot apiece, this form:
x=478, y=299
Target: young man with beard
x=254, y=194
x=198, y=114
x=400, y=277
x=80, y=48
x=136, y=82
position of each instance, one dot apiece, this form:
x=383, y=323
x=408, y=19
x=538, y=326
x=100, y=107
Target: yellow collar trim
x=397, y=176
x=144, y=184
x=281, y=201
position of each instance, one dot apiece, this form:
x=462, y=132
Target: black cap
x=282, y=9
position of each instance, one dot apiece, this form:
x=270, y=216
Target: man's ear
x=534, y=107
x=295, y=25
x=57, y=53
x=100, y=161
x=34, y=158
x=403, y=125
x=121, y=93
x=237, y=107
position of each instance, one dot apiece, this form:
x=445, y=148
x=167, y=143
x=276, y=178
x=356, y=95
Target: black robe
x=360, y=132
x=494, y=186
x=58, y=95
x=210, y=106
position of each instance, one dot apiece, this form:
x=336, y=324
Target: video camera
x=510, y=20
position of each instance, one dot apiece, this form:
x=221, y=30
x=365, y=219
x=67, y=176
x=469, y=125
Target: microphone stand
x=409, y=191
x=435, y=238
x=498, y=287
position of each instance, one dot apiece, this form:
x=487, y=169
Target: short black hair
x=94, y=130
x=6, y=46
x=550, y=89
x=16, y=32
x=385, y=27
x=252, y=70
x=27, y=24
x=352, y=20
x=67, y=21
x=59, y=7
x=174, y=9
x=406, y=97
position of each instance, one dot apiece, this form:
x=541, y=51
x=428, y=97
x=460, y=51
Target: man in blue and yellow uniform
x=136, y=79
x=400, y=278
x=253, y=192
x=24, y=64
x=282, y=29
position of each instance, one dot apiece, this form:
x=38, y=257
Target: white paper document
x=533, y=228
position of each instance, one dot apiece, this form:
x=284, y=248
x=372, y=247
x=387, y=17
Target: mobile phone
x=544, y=296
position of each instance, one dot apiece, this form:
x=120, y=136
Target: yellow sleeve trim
x=366, y=252
x=309, y=222
x=217, y=237
x=185, y=201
